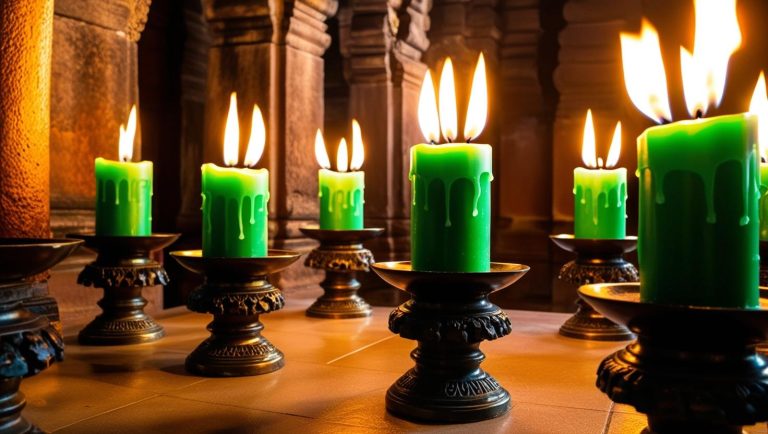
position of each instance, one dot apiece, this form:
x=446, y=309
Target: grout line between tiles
x=608, y=419
x=242, y=407
x=360, y=349
x=105, y=412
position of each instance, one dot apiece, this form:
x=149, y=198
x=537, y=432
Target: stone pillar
x=26, y=29
x=386, y=41
x=270, y=53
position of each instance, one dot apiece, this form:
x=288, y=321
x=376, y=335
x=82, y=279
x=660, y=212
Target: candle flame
x=447, y=101
x=615, y=151
x=428, y=120
x=127, y=136
x=588, y=151
x=258, y=138
x=321, y=154
x=232, y=134
x=358, y=151
x=759, y=107
x=644, y=75
x=341, y=156
x=477, y=110
x=717, y=37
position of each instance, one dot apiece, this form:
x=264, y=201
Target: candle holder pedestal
x=341, y=254
x=236, y=291
x=597, y=261
x=123, y=268
x=28, y=342
x=449, y=315
x=691, y=369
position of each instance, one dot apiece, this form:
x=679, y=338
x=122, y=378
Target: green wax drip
x=423, y=183
x=620, y=192
x=207, y=203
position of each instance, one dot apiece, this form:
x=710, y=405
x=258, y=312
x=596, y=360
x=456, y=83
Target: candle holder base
x=342, y=256
x=28, y=342
x=236, y=291
x=691, y=369
x=449, y=316
x=123, y=268
x=598, y=261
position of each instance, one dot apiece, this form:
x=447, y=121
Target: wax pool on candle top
x=600, y=203
x=341, y=199
x=234, y=211
x=451, y=207
x=698, y=233
x=123, y=198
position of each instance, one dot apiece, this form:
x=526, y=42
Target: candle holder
x=597, y=261
x=236, y=291
x=449, y=315
x=691, y=369
x=341, y=254
x=28, y=342
x=123, y=268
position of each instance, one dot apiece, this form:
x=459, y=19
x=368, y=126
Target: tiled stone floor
x=334, y=381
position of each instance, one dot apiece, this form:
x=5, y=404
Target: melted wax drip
x=348, y=199
x=259, y=198
x=620, y=192
x=420, y=183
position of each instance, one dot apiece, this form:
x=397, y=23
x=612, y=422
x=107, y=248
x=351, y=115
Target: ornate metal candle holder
x=341, y=255
x=691, y=369
x=449, y=315
x=597, y=261
x=28, y=342
x=236, y=291
x=123, y=268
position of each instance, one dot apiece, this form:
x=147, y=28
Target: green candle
x=235, y=199
x=599, y=194
x=340, y=192
x=698, y=233
x=763, y=201
x=124, y=190
x=451, y=183
x=759, y=107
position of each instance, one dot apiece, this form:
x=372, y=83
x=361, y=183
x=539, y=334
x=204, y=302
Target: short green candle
x=123, y=198
x=234, y=211
x=600, y=203
x=699, y=230
x=451, y=207
x=763, y=201
x=341, y=199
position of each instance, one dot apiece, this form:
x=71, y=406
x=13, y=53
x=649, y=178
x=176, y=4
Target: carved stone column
x=270, y=53
x=386, y=41
x=25, y=61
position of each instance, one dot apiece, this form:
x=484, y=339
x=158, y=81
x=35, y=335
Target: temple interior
x=70, y=71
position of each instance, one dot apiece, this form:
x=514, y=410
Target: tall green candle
x=698, y=233
x=763, y=201
x=124, y=190
x=341, y=192
x=759, y=107
x=235, y=199
x=599, y=194
x=451, y=183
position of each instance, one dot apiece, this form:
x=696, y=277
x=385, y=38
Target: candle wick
x=665, y=121
x=699, y=114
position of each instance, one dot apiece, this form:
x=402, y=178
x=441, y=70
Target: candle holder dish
x=236, y=291
x=123, y=268
x=341, y=254
x=692, y=369
x=28, y=342
x=449, y=315
x=597, y=261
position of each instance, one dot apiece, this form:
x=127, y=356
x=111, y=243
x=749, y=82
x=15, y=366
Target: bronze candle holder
x=449, y=315
x=123, y=268
x=341, y=254
x=236, y=291
x=28, y=342
x=692, y=369
x=597, y=261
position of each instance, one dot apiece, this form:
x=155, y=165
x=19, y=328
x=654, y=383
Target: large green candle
x=124, y=189
x=451, y=207
x=234, y=211
x=698, y=233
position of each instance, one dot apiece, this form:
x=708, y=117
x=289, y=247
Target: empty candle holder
x=236, y=292
x=449, y=315
x=123, y=268
x=597, y=261
x=341, y=255
x=28, y=342
x=691, y=369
